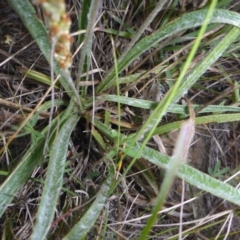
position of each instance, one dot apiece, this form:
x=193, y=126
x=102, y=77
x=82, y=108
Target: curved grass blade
x=36, y=28
x=48, y=104
x=20, y=174
x=54, y=179
x=219, y=118
x=206, y=62
x=189, y=174
x=189, y=20
x=158, y=7
x=80, y=230
x=173, y=108
x=134, y=77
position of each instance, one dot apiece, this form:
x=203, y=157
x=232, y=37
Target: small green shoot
x=217, y=172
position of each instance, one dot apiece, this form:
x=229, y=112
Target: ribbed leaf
x=39, y=77
x=189, y=20
x=189, y=174
x=220, y=118
x=20, y=175
x=136, y=76
x=206, y=62
x=85, y=54
x=47, y=105
x=83, y=19
x=29, y=161
x=173, y=108
x=148, y=128
x=54, y=179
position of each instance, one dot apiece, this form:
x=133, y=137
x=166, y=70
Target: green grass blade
x=150, y=125
x=121, y=22
x=189, y=20
x=83, y=19
x=36, y=28
x=147, y=175
x=134, y=77
x=20, y=174
x=207, y=61
x=158, y=7
x=39, y=77
x=54, y=179
x=179, y=156
x=173, y=108
x=84, y=61
x=47, y=105
x=189, y=174
x=80, y=230
x=219, y=118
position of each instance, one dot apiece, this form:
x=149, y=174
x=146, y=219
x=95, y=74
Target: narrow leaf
x=220, y=118
x=189, y=174
x=189, y=20
x=173, y=108
x=20, y=175
x=54, y=180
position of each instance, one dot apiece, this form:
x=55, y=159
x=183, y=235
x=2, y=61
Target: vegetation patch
x=119, y=119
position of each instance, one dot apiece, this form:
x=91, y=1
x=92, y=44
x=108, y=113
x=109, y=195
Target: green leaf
x=173, y=108
x=39, y=77
x=220, y=118
x=54, y=179
x=20, y=174
x=216, y=171
x=99, y=139
x=120, y=21
x=32, y=158
x=148, y=128
x=83, y=19
x=84, y=61
x=189, y=174
x=189, y=20
x=48, y=104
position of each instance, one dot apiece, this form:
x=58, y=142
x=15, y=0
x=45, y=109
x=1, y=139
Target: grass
x=105, y=102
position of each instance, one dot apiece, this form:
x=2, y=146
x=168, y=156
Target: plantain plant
x=115, y=145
